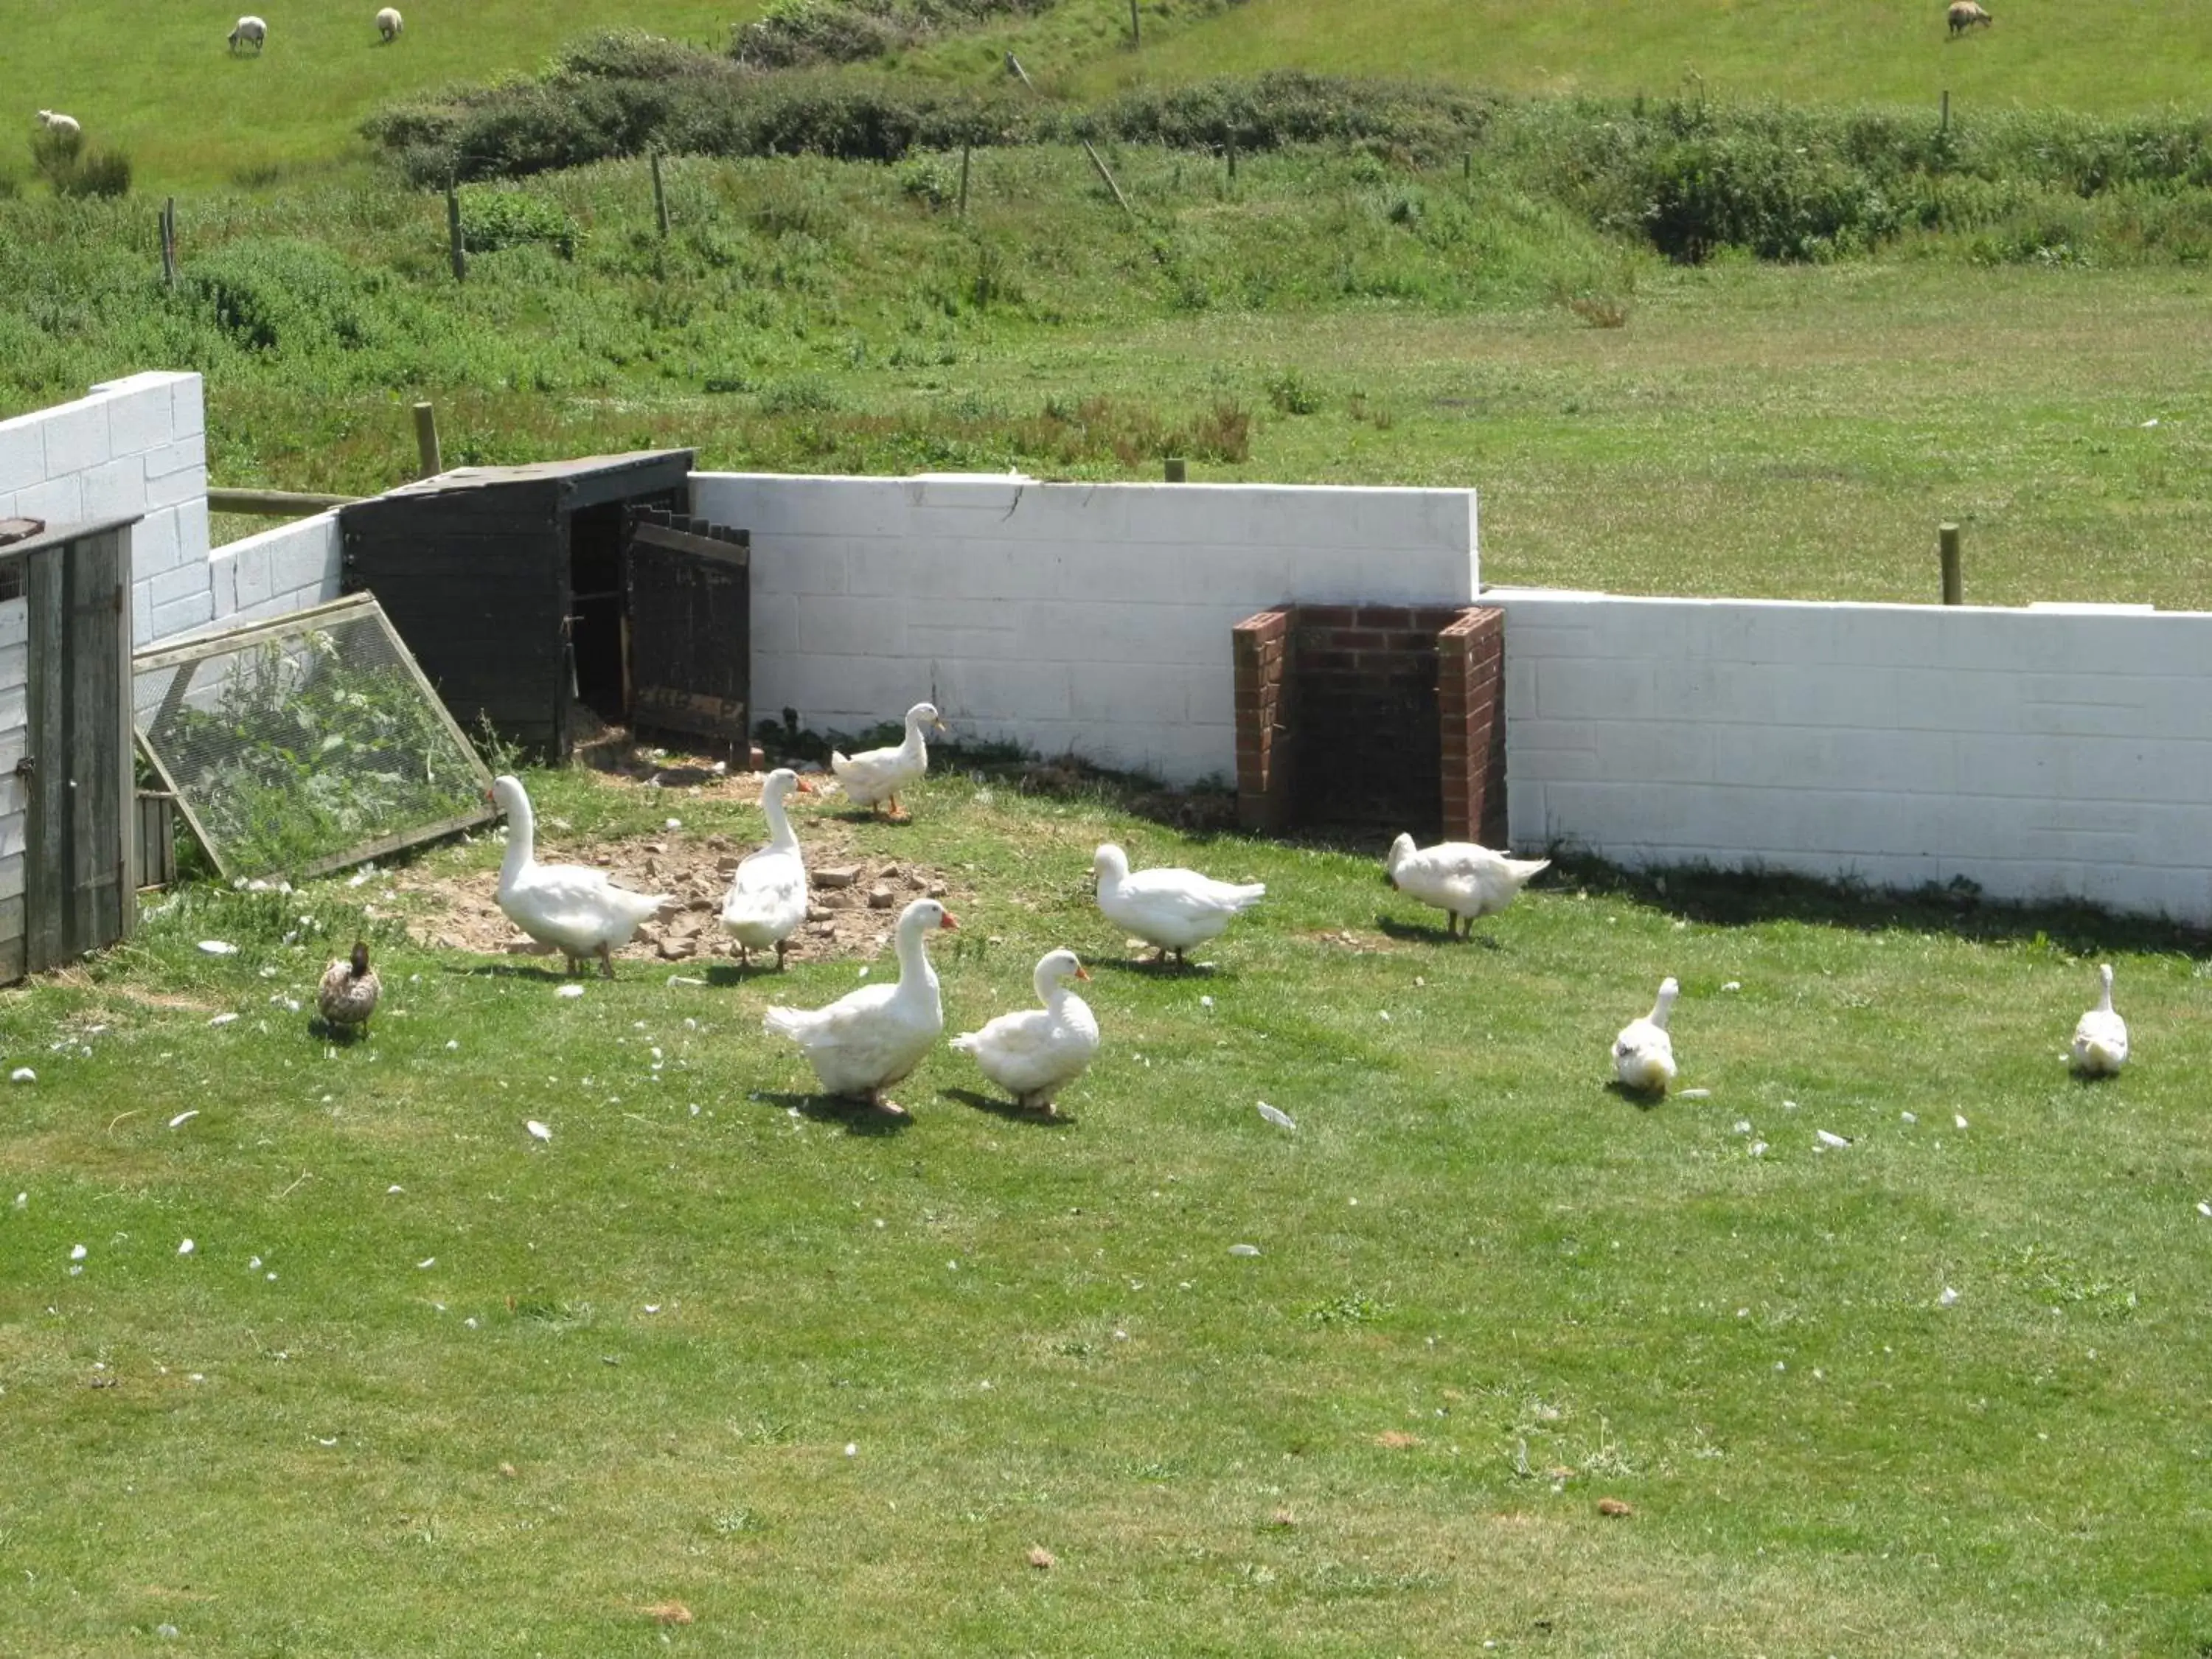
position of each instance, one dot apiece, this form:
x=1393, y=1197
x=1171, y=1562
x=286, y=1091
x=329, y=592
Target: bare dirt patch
x=850, y=921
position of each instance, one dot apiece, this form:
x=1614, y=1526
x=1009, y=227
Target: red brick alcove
x=1372, y=716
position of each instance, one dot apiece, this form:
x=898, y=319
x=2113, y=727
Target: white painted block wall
x=1093, y=618
x=277, y=572
x=2044, y=753
x=137, y=445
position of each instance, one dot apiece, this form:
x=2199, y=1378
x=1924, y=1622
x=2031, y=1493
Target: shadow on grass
x=522, y=970
x=1739, y=897
x=1153, y=968
x=999, y=1107
x=1414, y=932
x=855, y=1117
x=1641, y=1099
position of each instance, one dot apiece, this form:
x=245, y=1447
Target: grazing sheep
x=54, y=121
x=250, y=28
x=389, y=23
x=1964, y=14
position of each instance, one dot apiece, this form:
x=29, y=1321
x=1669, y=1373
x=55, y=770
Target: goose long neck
x=1664, y=1007
x=781, y=836
x=913, y=959
x=1050, y=987
x=521, y=841
x=915, y=748
x=2105, y=996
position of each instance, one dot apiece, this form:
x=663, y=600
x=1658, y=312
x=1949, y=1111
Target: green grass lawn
x=2113, y=58
x=161, y=82
x=425, y=1385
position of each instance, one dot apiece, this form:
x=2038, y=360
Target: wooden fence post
x=453, y=230
x=169, y=243
x=1232, y=162
x=964, y=180
x=1946, y=126
x=1136, y=28
x=1177, y=470
x=1947, y=550
x=659, y=196
x=426, y=439
x=1014, y=64
x=1096, y=162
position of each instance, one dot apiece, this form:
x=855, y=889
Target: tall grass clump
x=72, y=168
x=805, y=32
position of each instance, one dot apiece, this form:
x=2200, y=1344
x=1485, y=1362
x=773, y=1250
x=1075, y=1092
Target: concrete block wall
x=2049, y=753
x=1091, y=617
x=277, y=572
x=137, y=445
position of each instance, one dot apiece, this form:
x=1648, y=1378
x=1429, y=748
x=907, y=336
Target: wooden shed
x=68, y=819
x=523, y=591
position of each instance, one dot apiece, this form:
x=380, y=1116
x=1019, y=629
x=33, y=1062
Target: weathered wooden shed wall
x=482, y=568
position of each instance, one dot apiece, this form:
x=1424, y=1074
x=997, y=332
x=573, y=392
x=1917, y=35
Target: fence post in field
x=426, y=439
x=453, y=230
x=1097, y=160
x=1946, y=126
x=169, y=243
x=1136, y=28
x=659, y=196
x=1020, y=74
x=1947, y=550
x=964, y=180
x=1177, y=470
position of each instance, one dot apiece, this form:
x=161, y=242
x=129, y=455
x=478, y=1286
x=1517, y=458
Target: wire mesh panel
x=303, y=744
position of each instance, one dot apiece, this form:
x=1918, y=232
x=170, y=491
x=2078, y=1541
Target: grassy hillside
x=159, y=81
x=2112, y=58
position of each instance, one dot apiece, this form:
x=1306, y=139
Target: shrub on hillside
x=1745, y=191
x=493, y=218
x=799, y=31
x=1291, y=106
x=62, y=158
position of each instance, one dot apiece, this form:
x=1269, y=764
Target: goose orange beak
x=1081, y=972
x=949, y=921
x=804, y=787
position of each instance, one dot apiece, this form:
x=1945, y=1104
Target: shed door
x=75, y=886
x=690, y=627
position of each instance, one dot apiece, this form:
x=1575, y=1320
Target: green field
x=2109, y=59
x=425, y=1385
x=161, y=82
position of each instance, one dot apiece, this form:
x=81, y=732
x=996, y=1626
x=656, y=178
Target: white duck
x=869, y=1039
x=1459, y=877
x=1035, y=1053
x=1643, y=1054
x=1170, y=908
x=570, y=907
x=767, y=899
x=2100, y=1036
x=876, y=776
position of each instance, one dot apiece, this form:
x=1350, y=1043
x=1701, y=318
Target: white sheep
x=54, y=121
x=250, y=28
x=1964, y=14
x=389, y=23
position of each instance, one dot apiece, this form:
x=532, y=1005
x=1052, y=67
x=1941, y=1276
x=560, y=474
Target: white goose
x=877, y=775
x=1035, y=1053
x=1171, y=909
x=1459, y=877
x=2100, y=1036
x=869, y=1039
x=1643, y=1054
x=570, y=907
x=767, y=899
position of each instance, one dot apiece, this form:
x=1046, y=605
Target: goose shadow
x=1644, y=1100
x=853, y=1116
x=731, y=975
x=520, y=970
x=1007, y=1109
x=1415, y=932
x=1153, y=968
x=324, y=1031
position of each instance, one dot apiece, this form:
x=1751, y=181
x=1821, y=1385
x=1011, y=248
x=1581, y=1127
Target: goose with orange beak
x=871, y=1038
x=767, y=899
x=1035, y=1053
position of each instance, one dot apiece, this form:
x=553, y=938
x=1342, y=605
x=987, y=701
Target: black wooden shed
x=524, y=590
